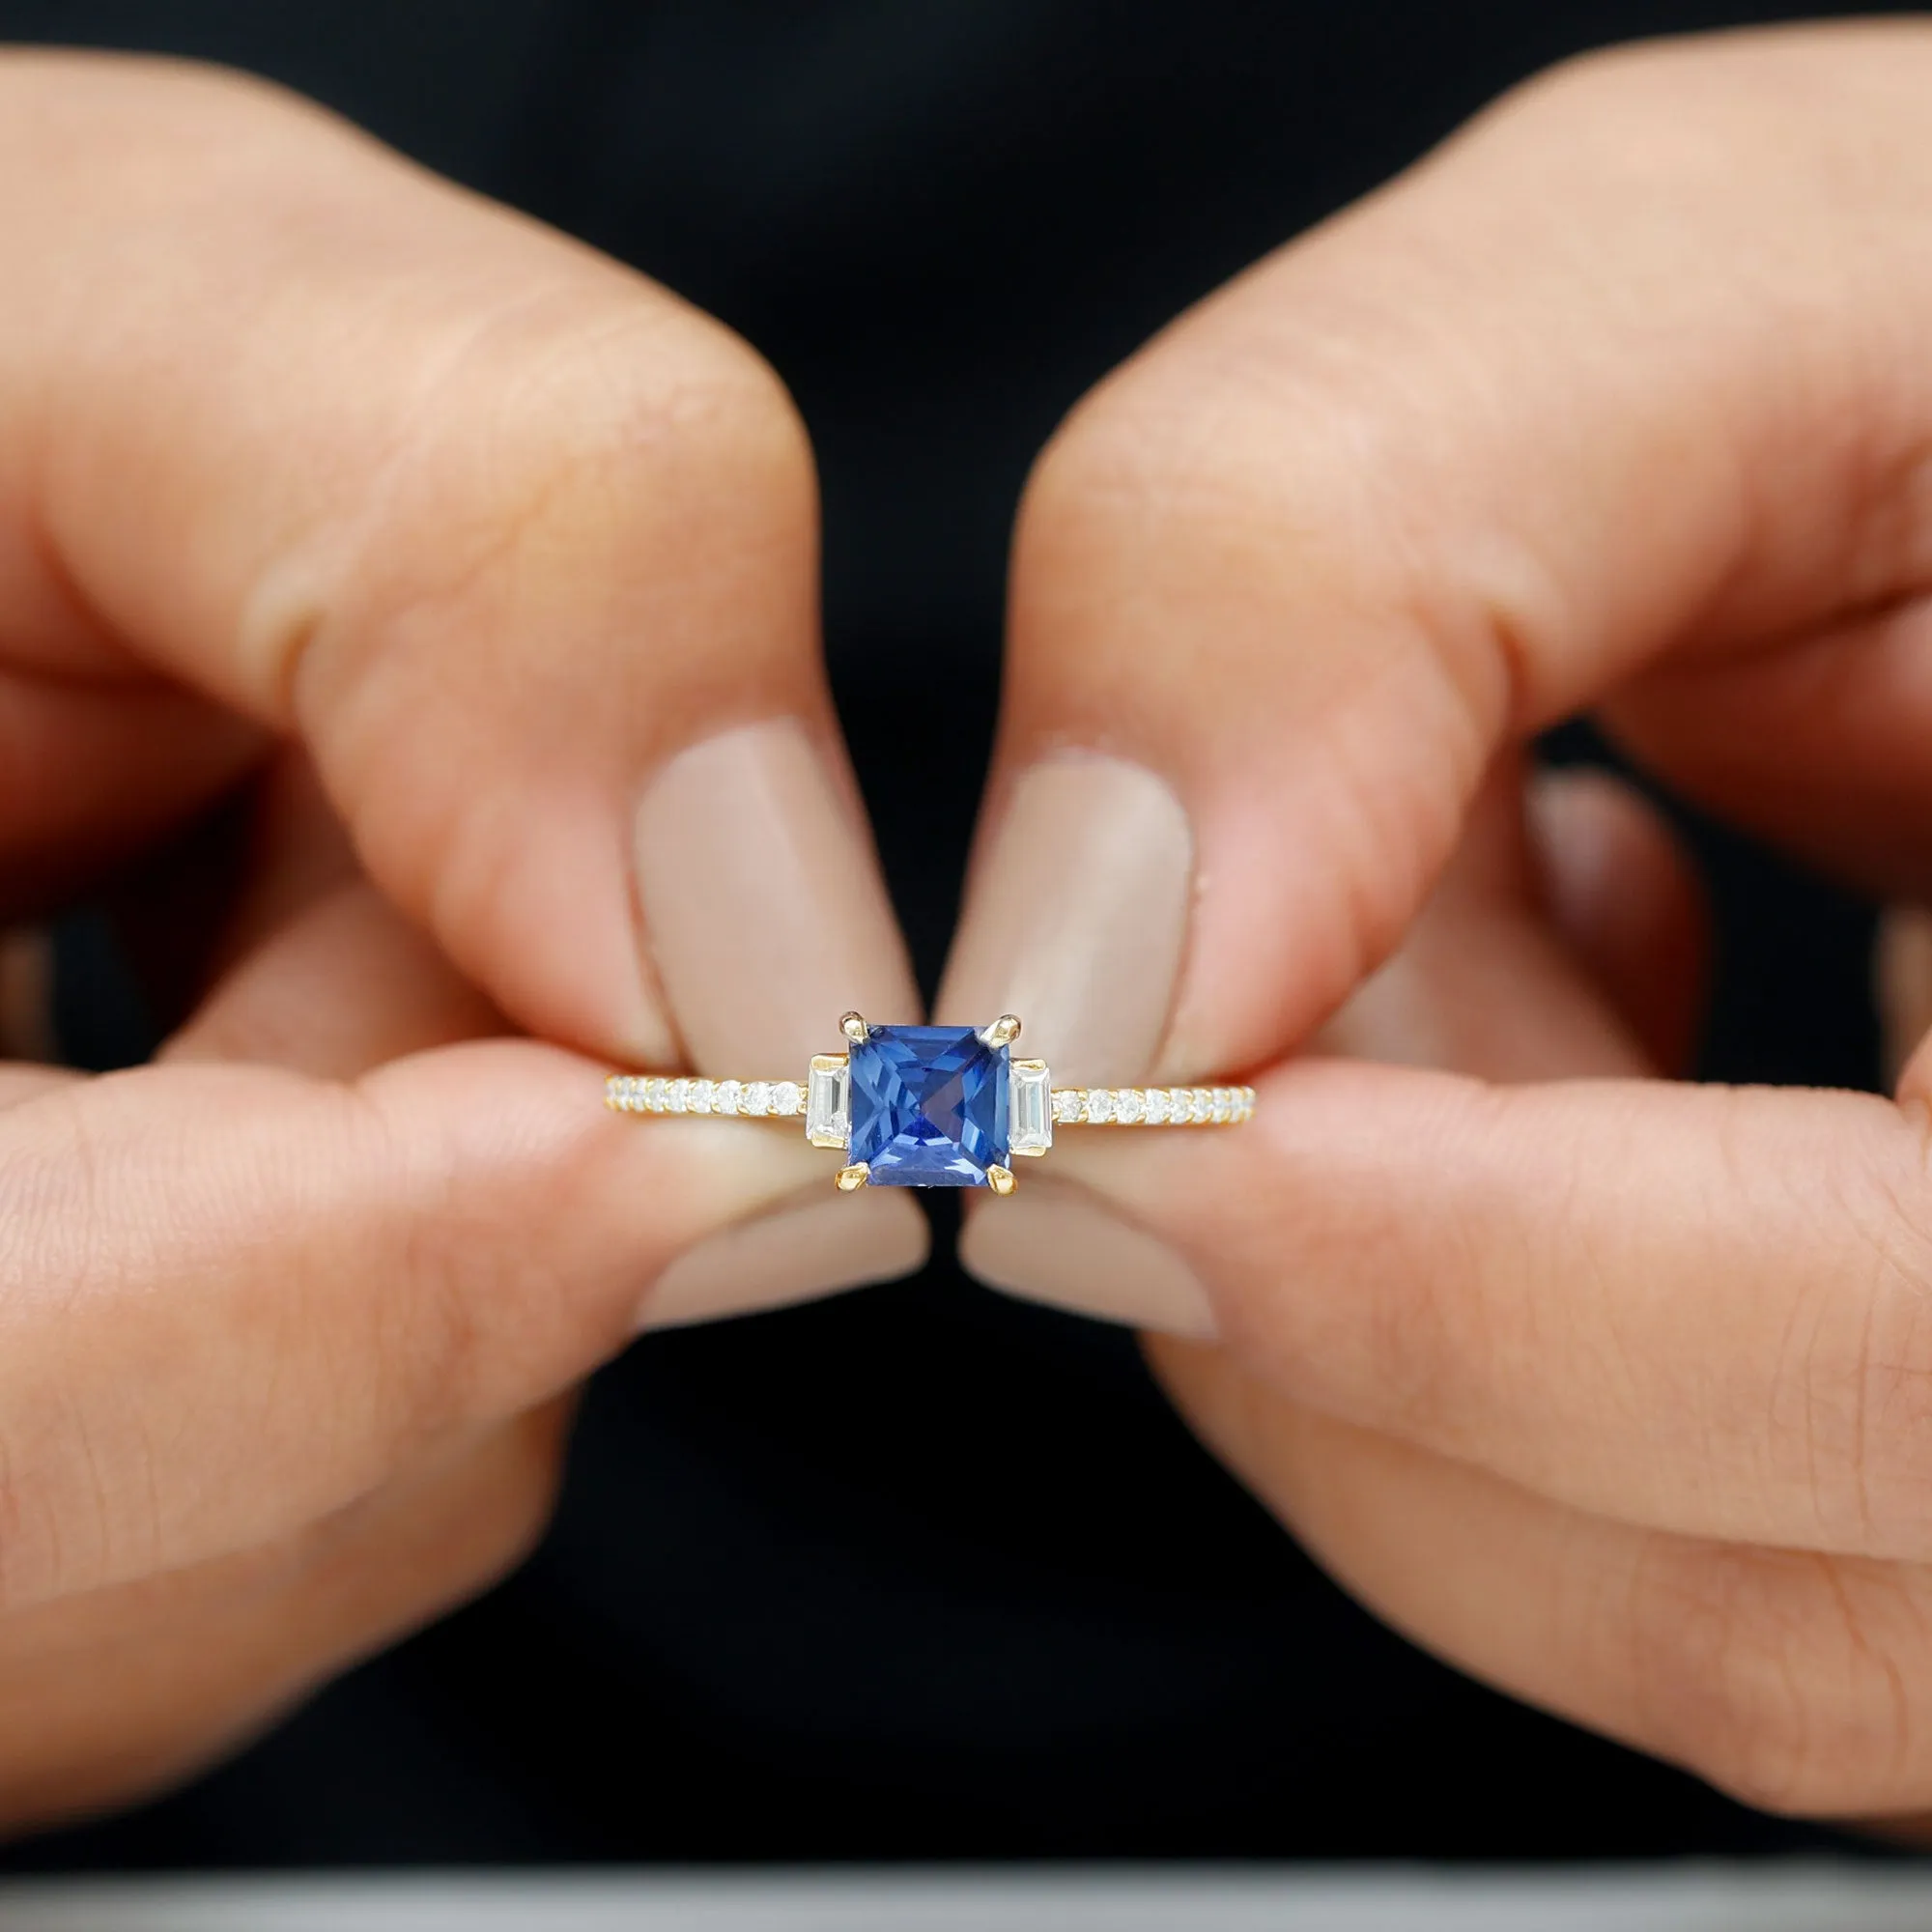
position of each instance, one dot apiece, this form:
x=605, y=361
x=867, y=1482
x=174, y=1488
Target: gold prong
x=855, y=1176
x=1004, y=1030
x=1001, y=1179
x=853, y=1026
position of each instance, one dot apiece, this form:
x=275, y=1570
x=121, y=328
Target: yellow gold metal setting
x=1035, y=1109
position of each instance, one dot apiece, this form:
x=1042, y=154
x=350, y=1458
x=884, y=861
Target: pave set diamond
x=754, y=1100
x=1152, y=1106
x=931, y=1106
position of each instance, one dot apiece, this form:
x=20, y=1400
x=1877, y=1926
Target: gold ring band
x=930, y=1106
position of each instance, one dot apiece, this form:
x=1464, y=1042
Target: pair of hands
x=488, y=569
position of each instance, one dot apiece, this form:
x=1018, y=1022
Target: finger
x=234, y=1299
x=197, y=903
x=1623, y=893
x=1483, y=980
x=1689, y=1308
x=517, y=544
x=1695, y=1308
x=1482, y=451
x=315, y=970
x=521, y=547
x=108, y=1697
x=1818, y=746
x=345, y=987
x=1792, y=1681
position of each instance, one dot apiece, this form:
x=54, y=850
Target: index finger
x=522, y=546
x=1630, y=371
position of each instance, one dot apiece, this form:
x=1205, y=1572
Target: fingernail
x=1076, y=918
x=792, y=1254
x=1053, y=1243
x=765, y=909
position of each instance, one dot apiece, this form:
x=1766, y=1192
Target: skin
x=1618, y=404
x=1612, y=1390
x=387, y=518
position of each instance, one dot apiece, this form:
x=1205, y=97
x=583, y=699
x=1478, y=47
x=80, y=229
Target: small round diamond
x=1180, y=1106
x=1224, y=1102
x=1156, y=1106
x=1200, y=1103
x=725, y=1097
x=756, y=1098
x=787, y=1098
x=651, y=1096
x=697, y=1096
x=1130, y=1108
x=676, y=1095
x=1068, y=1104
x=1099, y=1105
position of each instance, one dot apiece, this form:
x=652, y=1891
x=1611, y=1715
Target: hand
x=483, y=571
x=1612, y=1390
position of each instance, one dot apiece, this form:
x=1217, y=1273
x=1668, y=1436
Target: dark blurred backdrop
x=921, y=1574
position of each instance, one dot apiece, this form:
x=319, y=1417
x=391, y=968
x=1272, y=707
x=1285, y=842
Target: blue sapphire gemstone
x=928, y=1106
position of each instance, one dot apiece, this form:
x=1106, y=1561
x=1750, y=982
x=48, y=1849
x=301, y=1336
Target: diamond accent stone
x=1152, y=1106
x=1030, y=1119
x=828, y=1102
x=787, y=1099
x=725, y=1097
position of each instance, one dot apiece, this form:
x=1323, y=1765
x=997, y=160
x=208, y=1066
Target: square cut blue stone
x=928, y=1106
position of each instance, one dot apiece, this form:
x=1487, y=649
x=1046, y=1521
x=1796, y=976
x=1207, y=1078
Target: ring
x=920, y=1106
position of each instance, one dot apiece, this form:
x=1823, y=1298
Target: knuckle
x=597, y=456
x=1230, y=479
x=1164, y=448
x=1776, y=1676
x=633, y=417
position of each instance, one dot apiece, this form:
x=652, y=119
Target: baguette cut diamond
x=1031, y=1107
x=827, y=1108
x=928, y=1106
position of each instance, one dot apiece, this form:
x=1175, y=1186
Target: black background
x=920, y=1572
